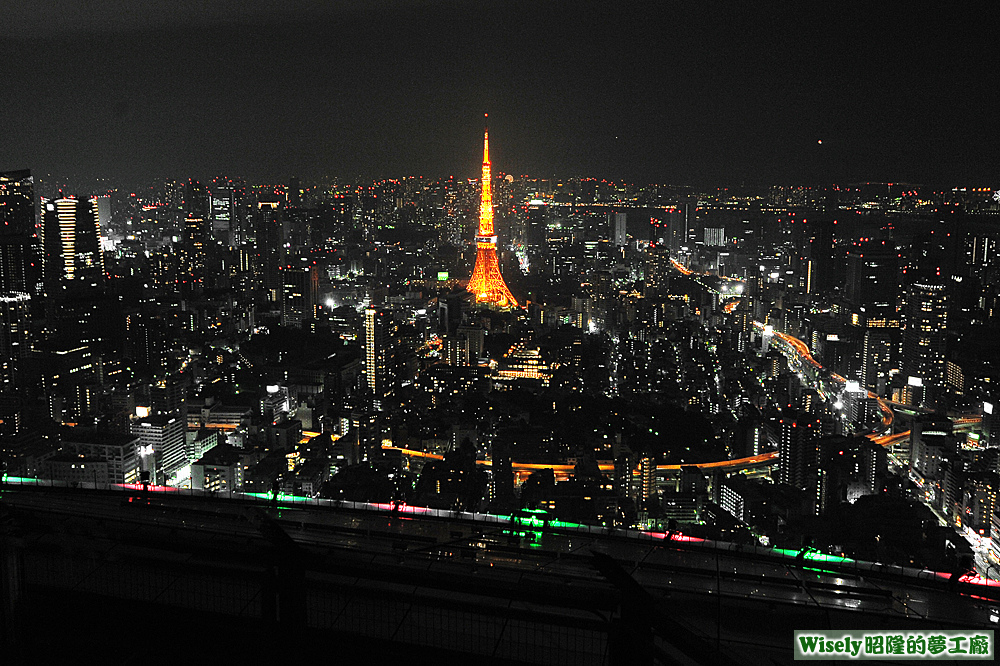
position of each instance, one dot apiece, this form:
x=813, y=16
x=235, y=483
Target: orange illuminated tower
x=487, y=283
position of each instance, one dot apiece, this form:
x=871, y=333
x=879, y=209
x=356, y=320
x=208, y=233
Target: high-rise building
x=476, y=337
x=677, y=231
x=857, y=406
x=926, y=311
x=222, y=208
x=982, y=255
x=991, y=423
x=646, y=472
x=715, y=236
x=71, y=244
x=269, y=248
x=487, y=283
x=103, y=210
x=822, y=270
x=931, y=438
x=658, y=271
x=197, y=234
x=194, y=249
x=378, y=355
x=13, y=338
x=299, y=295
x=877, y=360
x=537, y=224
x=294, y=192
x=619, y=228
x=872, y=277
x=798, y=450
x=18, y=251
x=196, y=200
x=161, y=444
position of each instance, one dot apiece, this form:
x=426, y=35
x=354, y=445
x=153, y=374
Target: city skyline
x=643, y=94
x=701, y=352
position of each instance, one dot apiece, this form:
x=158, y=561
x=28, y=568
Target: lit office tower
x=877, y=361
x=161, y=444
x=677, y=231
x=487, y=283
x=658, y=271
x=798, y=450
x=926, y=311
x=991, y=423
x=538, y=217
x=196, y=200
x=17, y=232
x=71, y=244
x=103, y=210
x=13, y=337
x=299, y=293
x=982, y=255
x=715, y=236
x=823, y=271
x=268, y=237
x=378, y=355
x=618, y=222
x=872, y=276
x=197, y=234
x=222, y=208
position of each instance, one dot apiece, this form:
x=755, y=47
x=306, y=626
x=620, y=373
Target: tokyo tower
x=487, y=283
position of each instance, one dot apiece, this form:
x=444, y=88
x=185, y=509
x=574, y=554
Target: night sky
x=659, y=92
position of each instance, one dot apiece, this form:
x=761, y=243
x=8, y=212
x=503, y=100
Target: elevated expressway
x=828, y=383
x=761, y=461
x=831, y=384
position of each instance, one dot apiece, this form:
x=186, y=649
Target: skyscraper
x=269, y=250
x=619, y=229
x=71, y=244
x=821, y=253
x=13, y=337
x=197, y=203
x=715, y=236
x=877, y=361
x=677, y=231
x=926, y=312
x=798, y=450
x=487, y=284
x=538, y=215
x=222, y=208
x=872, y=277
x=378, y=355
x=299, y=293
x=18, y=256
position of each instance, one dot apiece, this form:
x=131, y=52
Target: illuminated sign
x=442, y=276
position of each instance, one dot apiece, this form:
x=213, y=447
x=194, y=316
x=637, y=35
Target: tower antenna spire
x=487, y=284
